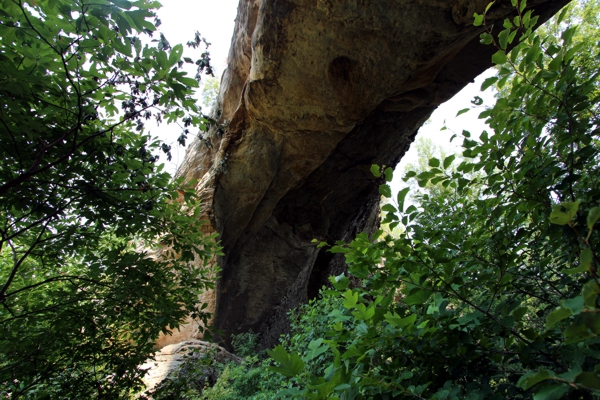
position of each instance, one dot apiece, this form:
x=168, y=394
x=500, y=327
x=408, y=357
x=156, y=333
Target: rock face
x=170, y=359
x=316, y=91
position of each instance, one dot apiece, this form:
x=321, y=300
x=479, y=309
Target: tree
x=210, y=92
x=492, y=295
x=99, y=251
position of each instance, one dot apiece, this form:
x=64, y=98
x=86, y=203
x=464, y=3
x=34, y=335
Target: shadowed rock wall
x=316, y=91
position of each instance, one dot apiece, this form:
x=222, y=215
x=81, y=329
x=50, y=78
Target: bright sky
x=445, y=115
x=215, y=19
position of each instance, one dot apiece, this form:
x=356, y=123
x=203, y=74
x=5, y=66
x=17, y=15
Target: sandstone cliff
x=315, y=92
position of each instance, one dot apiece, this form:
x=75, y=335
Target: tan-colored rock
x=315, y=92
x=172, y=357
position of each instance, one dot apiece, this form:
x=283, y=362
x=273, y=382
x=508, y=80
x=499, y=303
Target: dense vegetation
x=99, y=250
x=490, y=288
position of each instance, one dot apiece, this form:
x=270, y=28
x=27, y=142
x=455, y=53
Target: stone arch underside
x=316, y=91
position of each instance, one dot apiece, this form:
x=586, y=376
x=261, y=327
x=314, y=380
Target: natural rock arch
x=316, y=91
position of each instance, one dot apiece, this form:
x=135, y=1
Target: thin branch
x=18, y=263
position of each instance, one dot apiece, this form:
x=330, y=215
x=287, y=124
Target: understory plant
x=100, y=250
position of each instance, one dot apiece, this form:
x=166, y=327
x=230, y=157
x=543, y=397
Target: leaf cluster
x=99, y=250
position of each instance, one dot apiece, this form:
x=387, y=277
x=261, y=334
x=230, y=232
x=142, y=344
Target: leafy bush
x=99, y=251
x=245, y=344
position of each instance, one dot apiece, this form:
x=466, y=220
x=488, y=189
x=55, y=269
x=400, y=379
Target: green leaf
x=464, y=110
x=434, y=162
x=571, y=207
x=551, y=392
x=350, y=299
x=389, y=174
x=590, y=292
x=570, y=53
x=409, y=174
x=488, y=82
x=478, y=19
x=389, y=208
x=556, y=63
x=122, y=48
x=401, y=197
x=418, y=231
x=396, y=320
x=352, y=351
x=562, y=15
x=340, y=282
x=175, y=54
x=122, y=4
x=499, y=57
x=589, y=380
x=363, y=313
x=376, y=171
x=533, y=378
x=486, y=38
x=576, y=333
x=339, y=317
x=532, y=55
x=558, y=216
x=585, y=260
x=291, y=364
x=190, y=82
x=526, y=21
x=337, y=249
x=557, y=315
x=448, y=160
x=592, y=217
x=574, y=304
x=315, y=349
x=162, y=59
x=385, y=191
x=567, y=35
x=503, y=38
x=417, y=298
x=577, y=270
x=563, y=213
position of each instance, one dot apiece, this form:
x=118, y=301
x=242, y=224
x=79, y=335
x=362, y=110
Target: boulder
x=181, y=357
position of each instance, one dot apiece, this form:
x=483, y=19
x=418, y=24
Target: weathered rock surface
x=171, y=358
x=317, y=91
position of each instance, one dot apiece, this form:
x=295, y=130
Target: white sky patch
x=445, y=115
x=215, y=20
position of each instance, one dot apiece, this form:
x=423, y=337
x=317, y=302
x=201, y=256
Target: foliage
x=428, y=157
x=427, y=150
x=99, y=252
x=249, y=380
x=245, y=344
x=210, y=93
x=254, y=378
x=207, y=378
x=492, y=292
x=198, y=370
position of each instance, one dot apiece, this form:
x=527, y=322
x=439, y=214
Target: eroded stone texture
x=317, y=91
x=172, y=358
